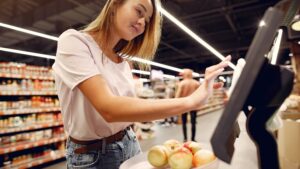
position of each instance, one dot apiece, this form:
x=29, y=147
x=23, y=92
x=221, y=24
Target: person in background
x=185, y=88
x=95, y=85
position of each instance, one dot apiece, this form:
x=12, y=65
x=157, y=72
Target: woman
x=95, y=85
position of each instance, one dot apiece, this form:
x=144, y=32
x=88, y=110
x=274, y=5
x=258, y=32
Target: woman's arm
x=120, y=109
x=117, y=108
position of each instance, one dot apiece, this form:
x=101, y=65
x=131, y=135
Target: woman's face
x=132, y=17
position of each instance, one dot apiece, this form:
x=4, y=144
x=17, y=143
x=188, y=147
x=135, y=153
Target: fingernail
x=226, y=62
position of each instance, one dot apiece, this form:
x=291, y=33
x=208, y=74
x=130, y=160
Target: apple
x=158, y=156
x=181, y=158
x=192, y=146
x=172, y=144
x=203, y=157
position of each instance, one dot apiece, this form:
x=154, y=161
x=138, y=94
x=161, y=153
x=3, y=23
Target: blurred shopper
x=185, y=88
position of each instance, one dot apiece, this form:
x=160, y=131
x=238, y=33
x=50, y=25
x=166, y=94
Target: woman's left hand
x=201, y=95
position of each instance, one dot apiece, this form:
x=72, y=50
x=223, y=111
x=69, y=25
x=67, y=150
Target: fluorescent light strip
x=27, y=53
x=156, y=64
x=160, y=65
x=53, y=57
x=193, y=35
x=56, y=39
x=28, y=31
x=276, y=47
x=141, y=72
x=134, y=58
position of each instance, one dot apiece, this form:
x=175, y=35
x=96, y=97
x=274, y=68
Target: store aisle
x=245, y=152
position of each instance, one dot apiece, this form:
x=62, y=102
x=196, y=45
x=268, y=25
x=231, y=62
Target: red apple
x=158, y=156
x=192, y=146
x=203, y=157
x=172, y=144
x=181, y=158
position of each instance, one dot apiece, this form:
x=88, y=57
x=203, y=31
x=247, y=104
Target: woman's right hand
x=205, y=90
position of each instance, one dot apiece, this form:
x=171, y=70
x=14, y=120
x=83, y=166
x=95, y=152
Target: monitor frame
x=227, y=130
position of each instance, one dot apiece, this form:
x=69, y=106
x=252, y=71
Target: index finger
x=220, y=65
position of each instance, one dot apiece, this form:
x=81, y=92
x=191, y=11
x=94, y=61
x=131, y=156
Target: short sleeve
x=74, y=62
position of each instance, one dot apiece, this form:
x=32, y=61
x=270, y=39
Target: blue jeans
x=110, y=157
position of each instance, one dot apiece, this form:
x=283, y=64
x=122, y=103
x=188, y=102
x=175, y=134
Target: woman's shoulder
x=70, y=34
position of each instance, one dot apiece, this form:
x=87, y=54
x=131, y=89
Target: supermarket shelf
x=55, y=155
x=28, y=144
x=22, y=76
x=24, y=93
x=31, y=127
x=28, y=111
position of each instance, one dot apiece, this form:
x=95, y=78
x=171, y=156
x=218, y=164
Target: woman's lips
x=135, y=29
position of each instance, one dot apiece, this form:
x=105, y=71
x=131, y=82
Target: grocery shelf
x=30, y=127
x=28, y=110
x=29, y=144
x=27, y=93
x=54, y=155
x=24, y=86
x=22, y=76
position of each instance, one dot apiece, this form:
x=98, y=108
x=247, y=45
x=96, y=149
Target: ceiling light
x=56, y=39
x=262, y=23
x=160, y=65
x=141, y=72
x=28, y=31
x=295, y=25
x=193, y=35
x=27, y=53
x=53, y=57
x=133, y=58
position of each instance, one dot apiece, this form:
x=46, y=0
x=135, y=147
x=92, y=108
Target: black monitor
x=262, y=87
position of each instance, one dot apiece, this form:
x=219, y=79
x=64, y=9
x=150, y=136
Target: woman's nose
x=142, y=21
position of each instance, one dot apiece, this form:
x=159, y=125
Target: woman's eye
x=139, y=12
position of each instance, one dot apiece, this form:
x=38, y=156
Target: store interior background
x=228, y=25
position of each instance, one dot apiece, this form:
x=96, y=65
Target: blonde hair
x=143, y=46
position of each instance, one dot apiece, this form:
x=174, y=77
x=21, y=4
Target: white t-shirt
x=79, y=58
